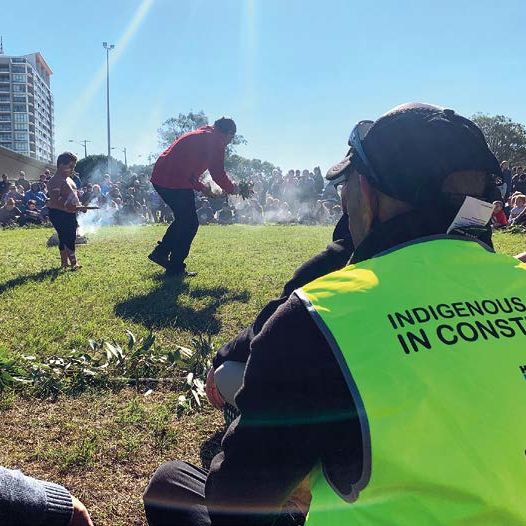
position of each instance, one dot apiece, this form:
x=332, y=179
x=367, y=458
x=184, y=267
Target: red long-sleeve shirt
x=185, y=160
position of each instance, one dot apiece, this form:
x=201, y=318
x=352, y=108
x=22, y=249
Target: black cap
x=414, y=147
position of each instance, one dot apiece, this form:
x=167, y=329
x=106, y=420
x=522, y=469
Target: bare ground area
x=104, y=447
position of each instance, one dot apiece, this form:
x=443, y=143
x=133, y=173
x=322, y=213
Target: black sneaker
x=160, y=257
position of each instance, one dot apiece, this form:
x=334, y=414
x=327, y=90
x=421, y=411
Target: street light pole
x=82, y=143
x=124, y=151
x=108, y=48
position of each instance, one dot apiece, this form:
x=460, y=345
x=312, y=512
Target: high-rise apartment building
x=26, y=106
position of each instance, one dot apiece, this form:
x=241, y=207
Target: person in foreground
x=387, y=391
x=25, y=501
x=63, y=206
x=176, y=175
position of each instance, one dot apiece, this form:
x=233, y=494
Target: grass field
x=104, y=446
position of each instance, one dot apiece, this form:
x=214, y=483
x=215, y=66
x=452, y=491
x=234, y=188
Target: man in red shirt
x=175, y=177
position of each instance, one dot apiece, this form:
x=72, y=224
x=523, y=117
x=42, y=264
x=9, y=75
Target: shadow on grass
x=210, y=448
x=162, y=307
x=30, y=278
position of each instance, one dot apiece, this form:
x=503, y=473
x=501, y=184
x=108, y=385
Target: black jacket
x=295, y=407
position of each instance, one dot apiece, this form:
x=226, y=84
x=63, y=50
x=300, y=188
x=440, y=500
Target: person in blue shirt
x=35, y=194
x=77, y=181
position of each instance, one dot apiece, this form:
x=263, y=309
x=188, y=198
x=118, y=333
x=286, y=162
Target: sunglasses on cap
x=356, y=137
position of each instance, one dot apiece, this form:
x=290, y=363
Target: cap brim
x=340, y=169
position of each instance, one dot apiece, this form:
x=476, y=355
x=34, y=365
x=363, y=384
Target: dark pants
x=176, y=496
x=65, y=223
x=181, y=232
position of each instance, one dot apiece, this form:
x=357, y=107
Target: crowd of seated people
x=510, y=210
x=300, y=197
x=297, y=197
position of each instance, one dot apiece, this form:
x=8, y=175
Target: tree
x=243, y=168
x=238, y=166
x=506, y=139
x=92, y=168
x=172, y=128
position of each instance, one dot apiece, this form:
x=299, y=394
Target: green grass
x=45, y=311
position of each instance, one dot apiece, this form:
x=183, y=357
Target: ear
x=370, y=196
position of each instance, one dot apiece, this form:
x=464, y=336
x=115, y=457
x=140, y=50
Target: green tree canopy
x=172, y=128
x=506, y=139
x=243, y=168
x=92, y=168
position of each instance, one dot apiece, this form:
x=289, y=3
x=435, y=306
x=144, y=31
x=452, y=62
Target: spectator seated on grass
x=87, y=195
x=498, y=219
x=9, y=213
x=205, y=213
x=13, y=194
x=518, y=206
x=225, y=215
x=519, y=182
x=31, y=215
x=37, y=195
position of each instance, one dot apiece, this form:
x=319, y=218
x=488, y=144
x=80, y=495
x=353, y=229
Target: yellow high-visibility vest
x=431, y=339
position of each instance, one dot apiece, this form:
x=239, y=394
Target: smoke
x=92, y=220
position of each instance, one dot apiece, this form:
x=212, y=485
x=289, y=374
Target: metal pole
x=82, y=143
x=108, y=105
x=108, y=48
x=125, y=159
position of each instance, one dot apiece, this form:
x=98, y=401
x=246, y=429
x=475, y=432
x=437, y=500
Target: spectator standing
x=4, y=185
x=506, y=177
x=22, y=181
x=105, y=184
x=77, y=181
x=319, y=181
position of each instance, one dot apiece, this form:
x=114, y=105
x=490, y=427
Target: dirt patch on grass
x=105, y=447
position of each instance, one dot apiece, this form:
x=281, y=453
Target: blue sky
x=295, y=74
